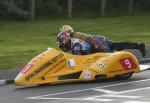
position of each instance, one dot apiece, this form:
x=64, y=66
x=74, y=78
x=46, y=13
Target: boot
x=142, y=49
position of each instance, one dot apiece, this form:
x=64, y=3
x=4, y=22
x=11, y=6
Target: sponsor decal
x=128, y=63
x=27, y=68
x=101, y=65
x=19, y=76
x=87, y=75
x=54, y=59
x=71, y=62
x=41, y=68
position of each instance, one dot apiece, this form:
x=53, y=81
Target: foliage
x=48, y=8
x=21, y=9
x=13, y=9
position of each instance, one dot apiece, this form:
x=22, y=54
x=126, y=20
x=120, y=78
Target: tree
x=103, y=7
x=69, y=8
x=33, y=9
x=13, y=9
x=131, y=6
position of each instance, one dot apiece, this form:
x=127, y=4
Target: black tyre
x=124, y=76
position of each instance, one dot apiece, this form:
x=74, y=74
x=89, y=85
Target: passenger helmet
x=66, y=28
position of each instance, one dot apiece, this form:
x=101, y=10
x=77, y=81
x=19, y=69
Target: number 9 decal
x=128, y=63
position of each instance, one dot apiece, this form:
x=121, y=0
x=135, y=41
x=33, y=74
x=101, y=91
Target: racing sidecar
x=54, y=66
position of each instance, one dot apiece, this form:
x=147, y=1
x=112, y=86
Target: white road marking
x=123, y=96
x=80, y=99
x=88, y=89
x=116, y=93
x=133, y=90
x=135, y=102
x=2, y=82
x=103, y=90
x=103, y=100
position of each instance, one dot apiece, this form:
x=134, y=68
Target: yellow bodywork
x=54, y=66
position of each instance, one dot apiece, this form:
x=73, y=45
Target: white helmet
x=66, y=28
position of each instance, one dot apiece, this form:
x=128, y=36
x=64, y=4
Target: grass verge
x=20, y=41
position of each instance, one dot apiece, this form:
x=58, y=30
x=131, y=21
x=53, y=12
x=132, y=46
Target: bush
x=48, y=8
x=8, y=9
x=21, y=9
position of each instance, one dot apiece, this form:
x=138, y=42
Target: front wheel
x=124, y=76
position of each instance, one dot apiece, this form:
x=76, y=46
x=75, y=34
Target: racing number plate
x=128, y=63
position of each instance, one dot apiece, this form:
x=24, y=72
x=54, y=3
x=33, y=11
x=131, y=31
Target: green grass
x=20, y=41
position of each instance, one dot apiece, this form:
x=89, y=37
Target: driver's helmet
x=63, y=38
x=66, y=28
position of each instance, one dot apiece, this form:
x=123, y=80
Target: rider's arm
x=87, y=38
x=82, y=36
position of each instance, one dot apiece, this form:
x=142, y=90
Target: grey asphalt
x=133, y=90
x=61, y=92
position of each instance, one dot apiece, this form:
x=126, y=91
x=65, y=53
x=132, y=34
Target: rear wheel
x=124, y=76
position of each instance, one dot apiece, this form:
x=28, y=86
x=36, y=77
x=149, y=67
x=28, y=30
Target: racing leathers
x=101, y=44
x=79, y=47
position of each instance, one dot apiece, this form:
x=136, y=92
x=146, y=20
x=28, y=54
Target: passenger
x=100, y=43
x=73, y=45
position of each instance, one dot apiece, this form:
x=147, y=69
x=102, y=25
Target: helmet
x=63, y=39
x=66, y=28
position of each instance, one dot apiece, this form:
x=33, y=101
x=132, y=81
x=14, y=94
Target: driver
x=100, y=43
x=73, y=45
